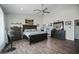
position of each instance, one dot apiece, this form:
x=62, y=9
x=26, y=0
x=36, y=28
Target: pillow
x=33, y=30
x=27, y=30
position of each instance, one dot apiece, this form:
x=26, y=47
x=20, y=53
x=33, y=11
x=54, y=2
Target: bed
x=32, y=35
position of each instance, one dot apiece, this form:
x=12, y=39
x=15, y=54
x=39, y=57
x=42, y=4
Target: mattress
x=33, y=33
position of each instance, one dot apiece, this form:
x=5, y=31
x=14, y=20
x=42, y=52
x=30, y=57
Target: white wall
x=2, y=30
x=64, y=13
x=11, y=18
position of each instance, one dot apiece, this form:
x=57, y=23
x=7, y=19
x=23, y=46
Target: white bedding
x=32, y=33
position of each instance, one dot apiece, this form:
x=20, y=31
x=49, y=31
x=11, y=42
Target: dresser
x=59, y=34
x=16, y=32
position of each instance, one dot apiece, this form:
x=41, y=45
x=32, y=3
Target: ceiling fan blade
x=46, y=12
x=37, y=13
x=36, y=10
x=45, y=9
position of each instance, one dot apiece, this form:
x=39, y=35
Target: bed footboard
x=37, y=38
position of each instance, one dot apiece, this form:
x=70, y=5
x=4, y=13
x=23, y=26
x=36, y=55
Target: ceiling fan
x=42, y=11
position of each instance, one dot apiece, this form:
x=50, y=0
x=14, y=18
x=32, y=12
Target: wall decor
x=67, y=22
x=58, y=25
x=29, y=22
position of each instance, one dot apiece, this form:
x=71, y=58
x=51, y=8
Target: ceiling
x=27, y=8
x=20, y=8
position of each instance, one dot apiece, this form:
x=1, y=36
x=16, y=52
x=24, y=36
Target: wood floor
x=49, y=46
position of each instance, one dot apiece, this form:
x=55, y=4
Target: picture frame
x=67, y=22
x=29, y=22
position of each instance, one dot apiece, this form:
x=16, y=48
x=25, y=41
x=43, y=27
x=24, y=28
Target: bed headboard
x=29, y=27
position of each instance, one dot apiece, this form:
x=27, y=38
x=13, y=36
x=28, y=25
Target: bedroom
x=57, y=16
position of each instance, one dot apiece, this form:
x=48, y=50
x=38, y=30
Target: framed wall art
x=67, y=22
x=29, y=22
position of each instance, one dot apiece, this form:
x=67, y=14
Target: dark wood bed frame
x=34, y=38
